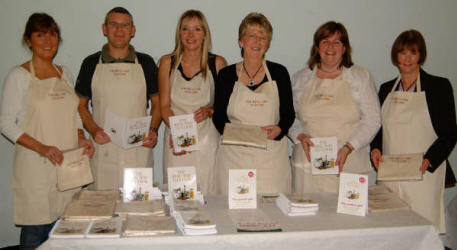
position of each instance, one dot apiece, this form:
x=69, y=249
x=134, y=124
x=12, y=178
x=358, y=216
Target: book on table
x=245, y=135
x=323, y=155
x=74, y=171
x=105, y=228
x=353, y=194
x=242, y=189
x=182, y=182
x=184, y=133
x=400, y=167
x=126, y=133
x=138, y=184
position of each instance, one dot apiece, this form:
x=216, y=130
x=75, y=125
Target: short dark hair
x=411, y=40
x=324, y=31
x=120, y=10
x=40, y=22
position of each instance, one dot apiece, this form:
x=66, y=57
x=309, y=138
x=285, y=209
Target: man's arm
x=94, y=130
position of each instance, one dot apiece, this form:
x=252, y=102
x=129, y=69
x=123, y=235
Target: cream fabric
x=74, y=171
x=186, y=98
x=327, y=108
x=121, y=88
x=400, y=168
x=364, y=94
x=244, y=135
x=259, y=107
x=51, y=119
x=407, y=128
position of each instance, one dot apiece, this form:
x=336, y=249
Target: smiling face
x=192, y=34
x=331, y=50
x=44, y=44
x=118, y=30
x=408, y=60
x=255, y=42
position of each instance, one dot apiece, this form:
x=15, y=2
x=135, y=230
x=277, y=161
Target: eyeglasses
x=118, y=25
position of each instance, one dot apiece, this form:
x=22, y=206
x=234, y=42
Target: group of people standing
x=43, y=115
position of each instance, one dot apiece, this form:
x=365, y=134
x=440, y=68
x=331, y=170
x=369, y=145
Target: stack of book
x=195, y=223
x=381, y=199
x=152, y=207
x=296, y=205
x=147, y=225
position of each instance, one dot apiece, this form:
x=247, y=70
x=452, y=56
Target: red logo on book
x=251, y=174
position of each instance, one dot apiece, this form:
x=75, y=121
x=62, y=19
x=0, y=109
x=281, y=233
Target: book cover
x=138, y=184
x=403, y=167
x=74, y=171
x=242, y=188
x=353, y=194
x=245, y=135
x=70, y=229
x=323, y=155
x=105, y=228
x=126, y=133
x=182, y=182
x=184, y=133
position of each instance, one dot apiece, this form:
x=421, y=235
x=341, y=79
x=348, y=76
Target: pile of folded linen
x=195, y=222
x=296, y=205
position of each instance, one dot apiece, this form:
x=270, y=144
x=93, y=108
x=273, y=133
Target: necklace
x=251, y=79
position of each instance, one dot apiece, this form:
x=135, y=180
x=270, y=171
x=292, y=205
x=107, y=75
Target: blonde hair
x=206, y=48
x=255, y=18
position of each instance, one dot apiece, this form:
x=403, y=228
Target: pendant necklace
x=251, y=79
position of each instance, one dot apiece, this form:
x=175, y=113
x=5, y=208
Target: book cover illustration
x=184, y=133
x=323, y=155
x=137, y=184
x=126, y=133
x=353, y=194
x=242, y=188
x=182, y=182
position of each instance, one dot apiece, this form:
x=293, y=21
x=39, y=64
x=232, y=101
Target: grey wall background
x=372, y=26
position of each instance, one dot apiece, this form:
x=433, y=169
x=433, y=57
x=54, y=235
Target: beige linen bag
x=400, y=167
x=74, y=171
x=244, y=135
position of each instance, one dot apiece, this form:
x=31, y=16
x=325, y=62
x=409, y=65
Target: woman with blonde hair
x=186, y=86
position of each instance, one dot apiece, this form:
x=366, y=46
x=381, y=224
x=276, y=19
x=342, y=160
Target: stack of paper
x=296, y=205
x=153, y=207
x=147, y=225
x=70, y=229
x=381, y=199
x=105, y=228
x=89, y=209
x=195, y=223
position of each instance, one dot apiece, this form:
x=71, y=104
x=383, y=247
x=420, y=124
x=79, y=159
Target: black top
x=211, y=66
x=224, y=87
x=440, y=102
x=83, y=85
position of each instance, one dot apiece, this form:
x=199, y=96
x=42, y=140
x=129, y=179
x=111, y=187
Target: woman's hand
x=272, y=131
x=202, y=114
x=376, y=157
x=306, y=143
x=100, y=137
x=183, y=152
x=53, y=154
x=342, y=155
x=87, y=145
x=425, y=165
x=151, y=140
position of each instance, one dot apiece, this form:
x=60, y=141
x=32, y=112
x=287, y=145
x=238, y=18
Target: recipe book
x=137, y=184
x=184, y=133
x=126, y=133
x=353, y=194
x=323, y=155
x=245, y=135
x=403, y=167
x=74, y=171
x=182, y=182
x=242, y=188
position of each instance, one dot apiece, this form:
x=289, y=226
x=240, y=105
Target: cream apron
x=261, y=108
x=327, y=108
x=186, y=98
x=120, y=88
x=52, y=108
x=407, y=128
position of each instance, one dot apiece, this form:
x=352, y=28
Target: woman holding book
x=39, y=114
x=186, y=86
x=333, y=98
x=255, y=92
x=418, y=116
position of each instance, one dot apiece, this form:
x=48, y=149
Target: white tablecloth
x=326, y=230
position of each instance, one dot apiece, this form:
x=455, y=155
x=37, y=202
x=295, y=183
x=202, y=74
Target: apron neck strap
x=418, y=83
x=32, y=69
x=101, y=62
x=267, y=72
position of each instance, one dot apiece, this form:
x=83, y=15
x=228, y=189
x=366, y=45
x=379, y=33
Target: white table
x=326, y=230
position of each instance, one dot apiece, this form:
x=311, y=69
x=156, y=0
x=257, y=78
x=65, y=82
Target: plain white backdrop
x=372, y=25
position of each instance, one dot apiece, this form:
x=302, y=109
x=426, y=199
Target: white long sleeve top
x=14, y=101
x=364, y=93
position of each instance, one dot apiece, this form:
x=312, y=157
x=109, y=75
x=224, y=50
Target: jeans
x=33, y=235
